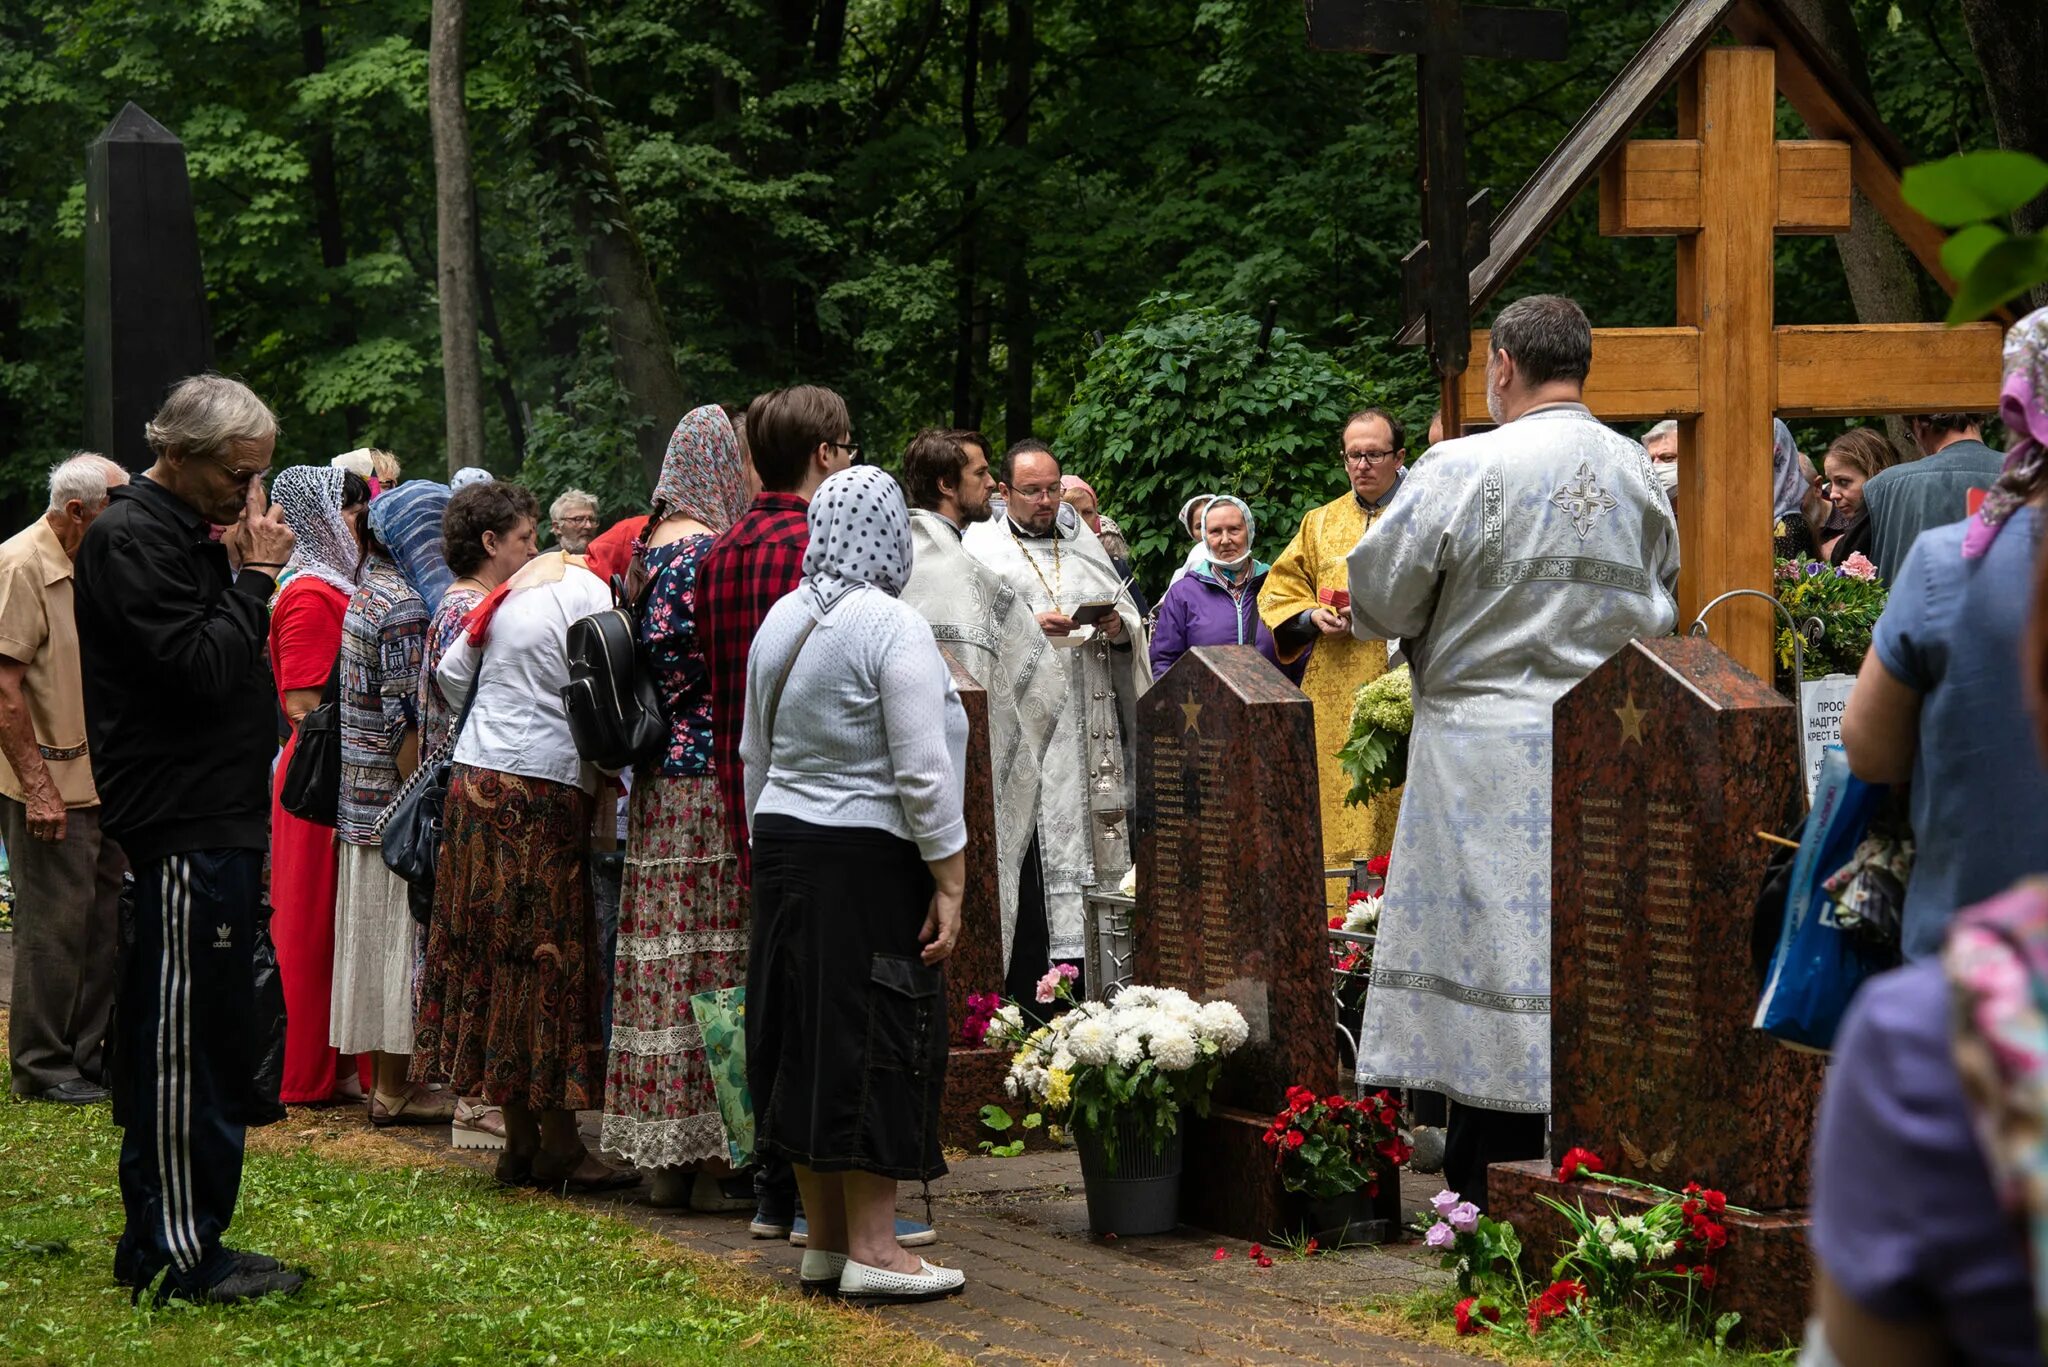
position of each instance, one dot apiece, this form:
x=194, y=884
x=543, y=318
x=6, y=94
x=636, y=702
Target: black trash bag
x=266, y=1081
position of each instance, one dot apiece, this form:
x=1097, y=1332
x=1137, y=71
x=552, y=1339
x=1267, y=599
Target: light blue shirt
x=1951, y=632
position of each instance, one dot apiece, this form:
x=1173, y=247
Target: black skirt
x=846, y=1025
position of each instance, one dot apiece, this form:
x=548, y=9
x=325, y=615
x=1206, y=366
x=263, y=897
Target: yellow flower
x=1059, y=1085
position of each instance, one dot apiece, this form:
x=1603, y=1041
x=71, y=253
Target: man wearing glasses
x=573, y=517
x=1085, y=609
x=1306, y=604
x=179, y=709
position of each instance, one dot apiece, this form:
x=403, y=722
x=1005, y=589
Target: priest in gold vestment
x=1306, y=605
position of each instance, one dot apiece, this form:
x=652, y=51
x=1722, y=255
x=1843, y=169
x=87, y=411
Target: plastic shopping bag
x=1820, y=962
x=722, y=1018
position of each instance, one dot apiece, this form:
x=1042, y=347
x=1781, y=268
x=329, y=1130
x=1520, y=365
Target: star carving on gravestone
x=1585, y=500
x=1192, y=711
x=1632, y=718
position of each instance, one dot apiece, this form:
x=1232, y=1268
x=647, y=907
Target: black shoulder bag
x=312, y=782
x=411, y=827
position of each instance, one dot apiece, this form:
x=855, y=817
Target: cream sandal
x=860, y=1282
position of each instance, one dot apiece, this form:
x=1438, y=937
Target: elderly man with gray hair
x=573, y=518
x=67, y=875
x=180, y=708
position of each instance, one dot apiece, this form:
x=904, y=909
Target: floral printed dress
x=682, y=919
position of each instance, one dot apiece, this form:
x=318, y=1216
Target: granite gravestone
x=1666, y=762
x=1230, y=905
x=974, y=1076
x=146, y=323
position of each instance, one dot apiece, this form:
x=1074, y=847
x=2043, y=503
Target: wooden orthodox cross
x=1725, y=187
x=1441, y=34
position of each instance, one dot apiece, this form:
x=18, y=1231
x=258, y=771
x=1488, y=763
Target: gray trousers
x=66, y=913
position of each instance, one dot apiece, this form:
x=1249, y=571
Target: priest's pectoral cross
x=1441, y=34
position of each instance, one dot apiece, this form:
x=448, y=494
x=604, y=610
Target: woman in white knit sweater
x=855, y=750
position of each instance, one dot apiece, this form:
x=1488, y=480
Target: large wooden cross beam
x=1725, y=187
x=1441, y=34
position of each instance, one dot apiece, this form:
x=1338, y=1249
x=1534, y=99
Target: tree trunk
x=2010, y=38
x=1883, y=282
x=573, y=143
x=456, y=235
x=966, y=276
x=327, y=221
x=1019, y=324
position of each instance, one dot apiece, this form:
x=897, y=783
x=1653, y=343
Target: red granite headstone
x=1230, y=905
x=1666, y=762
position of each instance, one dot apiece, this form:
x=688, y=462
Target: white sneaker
x=858, y=1281
x=819, y=1275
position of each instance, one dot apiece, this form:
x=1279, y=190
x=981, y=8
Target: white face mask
x=1667, y=475
x=1238, y=563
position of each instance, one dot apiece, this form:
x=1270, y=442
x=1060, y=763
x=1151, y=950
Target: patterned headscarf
x=703, y=475
x=309, y=496
x=408, y=521
x=1997, y=966
x=860, y=537
x=1069, y=483
x=468, y=475
x=1791, y=476
x=2023, y=408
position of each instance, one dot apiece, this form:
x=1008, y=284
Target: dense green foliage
x=932, y=204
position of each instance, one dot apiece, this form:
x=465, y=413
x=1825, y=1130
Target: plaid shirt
x=759, y=559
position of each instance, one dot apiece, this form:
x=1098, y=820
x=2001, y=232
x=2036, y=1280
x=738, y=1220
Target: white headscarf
x=860, y=537
x=309, y=496
x=1791, y=476
x=1251, y=527
x=1190, y=506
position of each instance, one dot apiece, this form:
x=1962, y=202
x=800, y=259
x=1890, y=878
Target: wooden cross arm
x=1652, y=189
x=1859, y=370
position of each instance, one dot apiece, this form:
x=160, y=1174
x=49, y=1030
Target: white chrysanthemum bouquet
x=1146, y=1055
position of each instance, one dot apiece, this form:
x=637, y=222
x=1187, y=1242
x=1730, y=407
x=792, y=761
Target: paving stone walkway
x=1041, y=1289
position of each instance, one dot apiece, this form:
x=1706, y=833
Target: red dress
x=305, y=638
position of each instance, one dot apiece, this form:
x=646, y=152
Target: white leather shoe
x=819, y=1275
x=861, y=1282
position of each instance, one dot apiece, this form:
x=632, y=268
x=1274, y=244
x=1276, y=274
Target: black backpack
x=615, y=712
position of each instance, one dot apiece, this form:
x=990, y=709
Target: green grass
x=411, y=1265
x=1638, y=1341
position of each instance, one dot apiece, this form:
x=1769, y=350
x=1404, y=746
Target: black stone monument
x=146, y=324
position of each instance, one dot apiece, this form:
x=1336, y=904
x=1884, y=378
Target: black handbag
x=312, y=781
x=411, y=827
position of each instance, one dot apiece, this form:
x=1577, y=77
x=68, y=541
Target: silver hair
x=206, y=414
x=1666, y=428
x=1547, y=336
x=85, y=476
x=568, y=499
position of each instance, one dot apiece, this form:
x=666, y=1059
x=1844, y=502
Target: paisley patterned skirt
x=509, y=999
x=682, y=930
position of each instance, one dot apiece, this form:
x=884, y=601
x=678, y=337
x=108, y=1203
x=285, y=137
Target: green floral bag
x=722, y=1017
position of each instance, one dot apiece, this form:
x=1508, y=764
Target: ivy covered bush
x=1181, y=402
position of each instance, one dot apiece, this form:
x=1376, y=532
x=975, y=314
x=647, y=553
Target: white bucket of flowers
x=1119, y=1075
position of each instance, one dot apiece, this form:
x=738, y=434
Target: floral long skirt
x=509, y=1001
x=682, y=930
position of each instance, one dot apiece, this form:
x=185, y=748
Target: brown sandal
x=550, y=1174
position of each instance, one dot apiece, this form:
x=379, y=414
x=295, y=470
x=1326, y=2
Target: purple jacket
x=1197, y=611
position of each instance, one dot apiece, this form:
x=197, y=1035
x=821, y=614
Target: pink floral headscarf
x=2024, y=409
x=703, y=475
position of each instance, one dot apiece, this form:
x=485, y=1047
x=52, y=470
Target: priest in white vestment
x=987, y=627
x=1514, y=563
x=1061, y=571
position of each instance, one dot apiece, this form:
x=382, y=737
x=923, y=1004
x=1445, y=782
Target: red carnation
x=1576, y=1159
x=1555, y=1300
x=1265, y=1261
x=1390, y=1116
x=1336, y=923
x=1295, y=1139
x=1378, y=867
x=1716, y=1202
x=1707, y=1276
x=1468, y=1325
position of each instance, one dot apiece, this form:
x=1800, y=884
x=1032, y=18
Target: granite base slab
x=1765, y=1273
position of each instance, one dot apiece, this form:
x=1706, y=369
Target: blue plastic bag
x=1818, y=968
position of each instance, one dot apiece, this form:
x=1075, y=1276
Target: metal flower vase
x=1138, y=1193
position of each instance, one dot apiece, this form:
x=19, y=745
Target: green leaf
x=995, y=1118
x=2003, y=273
x=1961, y=253
x=1974, y=186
